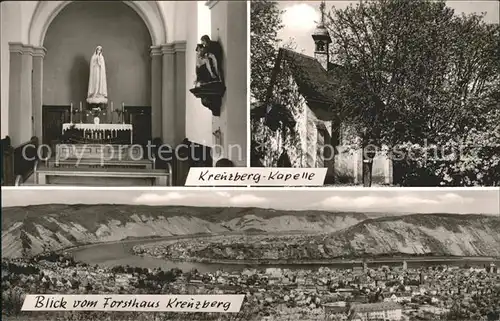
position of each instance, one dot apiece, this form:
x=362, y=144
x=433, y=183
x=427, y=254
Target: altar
x=98, y=133
x=100, y=154
x=95, y=151
x=97, y=164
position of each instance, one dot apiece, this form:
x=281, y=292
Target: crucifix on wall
x=218, y=137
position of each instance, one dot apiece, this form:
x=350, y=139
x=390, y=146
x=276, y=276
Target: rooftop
x=375, y=307
x=321, y=33
x=319, y=87
x=313, y=81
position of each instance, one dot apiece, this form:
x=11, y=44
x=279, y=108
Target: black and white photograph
x=305, y=255
x=381, y=93
x=121, y=93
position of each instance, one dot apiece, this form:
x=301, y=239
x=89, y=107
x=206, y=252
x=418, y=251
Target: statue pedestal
x=97, y=101
x=211, y=95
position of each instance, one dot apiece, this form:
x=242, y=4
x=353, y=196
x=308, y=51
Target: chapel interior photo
x=121, y=93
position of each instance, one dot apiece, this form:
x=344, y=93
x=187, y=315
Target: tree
x=423, y=76
x=75, y=285
x=265, y=23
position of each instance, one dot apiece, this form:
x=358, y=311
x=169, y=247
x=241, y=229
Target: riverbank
x=244, y=250
x=111, y=254
x=159, y=239
x=409, y=259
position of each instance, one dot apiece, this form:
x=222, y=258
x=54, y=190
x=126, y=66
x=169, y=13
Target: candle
x=123, y=113
x=110, y=117
x=81, y=112
x=71, y=113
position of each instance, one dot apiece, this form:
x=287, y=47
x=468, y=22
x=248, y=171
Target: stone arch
x=46, y=11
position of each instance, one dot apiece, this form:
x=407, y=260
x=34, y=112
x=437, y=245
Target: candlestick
x=81, y=112
x=123, y=113
x=71, y=113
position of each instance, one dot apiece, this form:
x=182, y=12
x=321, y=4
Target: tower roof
x=321, y=33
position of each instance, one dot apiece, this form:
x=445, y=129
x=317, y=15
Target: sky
x=461, y=201
x=300, y=17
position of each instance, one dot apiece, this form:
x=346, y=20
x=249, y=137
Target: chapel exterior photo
x=116, y=80
x=306, y=132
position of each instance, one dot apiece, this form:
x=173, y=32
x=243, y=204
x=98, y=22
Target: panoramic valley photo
x=296, y=254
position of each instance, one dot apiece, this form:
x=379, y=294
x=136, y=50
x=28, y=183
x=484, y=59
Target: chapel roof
x=317, y=85
x=321, y=32
x=313, y=80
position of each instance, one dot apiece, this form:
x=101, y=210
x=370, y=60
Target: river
x=120, y=253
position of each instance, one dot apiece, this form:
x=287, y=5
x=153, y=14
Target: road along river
x=120, y=253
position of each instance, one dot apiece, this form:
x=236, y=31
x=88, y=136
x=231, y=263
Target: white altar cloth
x=97, y=127
x=96, y=131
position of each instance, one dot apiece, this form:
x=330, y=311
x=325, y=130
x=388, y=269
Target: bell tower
x=322, y=40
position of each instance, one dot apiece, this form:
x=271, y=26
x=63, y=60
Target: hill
x=31, y=230
x=416, y=234
x=440, y=234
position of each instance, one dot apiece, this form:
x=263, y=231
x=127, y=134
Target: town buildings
x=376, y=311
x=283, y=294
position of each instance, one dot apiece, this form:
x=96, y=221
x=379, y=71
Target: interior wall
x=236, y=78
x=10, y=31
x=229, y=28
x=198, y=117
x=71, y=40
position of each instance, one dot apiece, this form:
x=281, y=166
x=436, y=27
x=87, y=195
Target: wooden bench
x=102, y=176
x=18, y=162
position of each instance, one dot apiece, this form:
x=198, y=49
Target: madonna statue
x=97, y=92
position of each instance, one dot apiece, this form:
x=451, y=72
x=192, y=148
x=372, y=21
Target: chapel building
x=314, y=80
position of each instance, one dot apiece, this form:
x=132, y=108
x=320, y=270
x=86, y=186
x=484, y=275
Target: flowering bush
x=473, y=161
x=478, y=161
